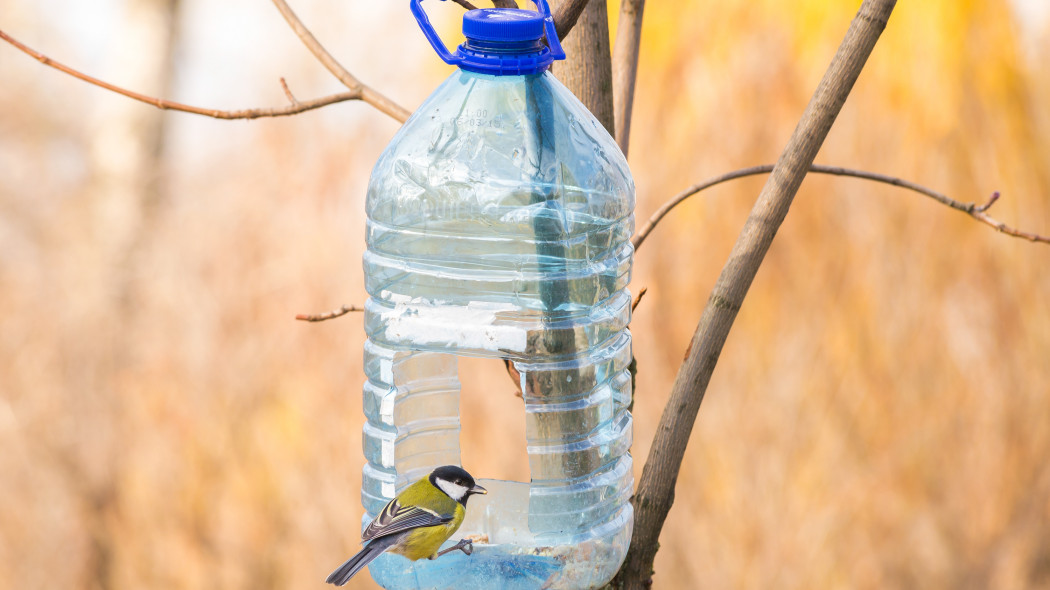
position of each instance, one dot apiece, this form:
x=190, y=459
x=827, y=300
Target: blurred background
x=880, y=417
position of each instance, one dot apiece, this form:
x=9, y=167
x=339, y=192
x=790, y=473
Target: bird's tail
x=350, y=567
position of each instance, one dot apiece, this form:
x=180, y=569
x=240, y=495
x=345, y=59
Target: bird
x=417, y=521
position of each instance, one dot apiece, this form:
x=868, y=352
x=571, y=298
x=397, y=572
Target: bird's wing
x=396, y=518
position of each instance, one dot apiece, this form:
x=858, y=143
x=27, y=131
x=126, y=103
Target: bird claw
x=465, y=545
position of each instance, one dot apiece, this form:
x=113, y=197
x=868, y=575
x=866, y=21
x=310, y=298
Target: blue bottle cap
x=502, y=24
x=500, y=41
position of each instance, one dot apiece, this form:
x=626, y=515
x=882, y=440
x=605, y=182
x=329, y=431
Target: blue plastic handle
x=439, y=46
x=552, y=31
x=431, y=34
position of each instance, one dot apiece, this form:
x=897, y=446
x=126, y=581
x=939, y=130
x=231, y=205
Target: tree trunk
x=587, y=71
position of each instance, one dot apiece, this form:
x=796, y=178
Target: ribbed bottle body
x=499, y=224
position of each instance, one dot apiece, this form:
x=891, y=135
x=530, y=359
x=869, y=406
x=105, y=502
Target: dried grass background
x=880, y=417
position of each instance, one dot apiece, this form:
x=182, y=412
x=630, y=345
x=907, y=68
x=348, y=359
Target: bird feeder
x=498, y=225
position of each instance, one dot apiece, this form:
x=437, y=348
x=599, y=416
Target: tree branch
x=292, y=109
x=367, y=94
x=320, y=317
x=625, y=68
x=566, y=15
x=971, y=209
x=465, y=4
x=655, y=493
x=638, y=299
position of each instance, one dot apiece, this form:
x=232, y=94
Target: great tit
x=416, y=522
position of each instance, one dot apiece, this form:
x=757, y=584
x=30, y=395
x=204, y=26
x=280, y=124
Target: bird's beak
x=478, y=490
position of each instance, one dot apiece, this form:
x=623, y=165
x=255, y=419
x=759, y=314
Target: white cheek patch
x=454, y=490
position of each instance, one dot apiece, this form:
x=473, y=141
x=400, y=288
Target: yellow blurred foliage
x=880, y=417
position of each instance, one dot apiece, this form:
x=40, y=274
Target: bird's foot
x=465, y=545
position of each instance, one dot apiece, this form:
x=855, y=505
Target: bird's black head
x=455, y=482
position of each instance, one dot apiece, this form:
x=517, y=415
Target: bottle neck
x=505, y=58
x=504, y=48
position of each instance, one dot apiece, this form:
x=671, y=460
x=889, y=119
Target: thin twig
x=465, y=4
x=320, y=317
x=971, y=209
x=991, y=201
x=638, y=299
x=295, y=108
x=288, y=92
x=367, y=94
x=515, y=377
x=625, y=68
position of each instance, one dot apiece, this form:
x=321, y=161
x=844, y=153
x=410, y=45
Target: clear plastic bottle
x=499, y=224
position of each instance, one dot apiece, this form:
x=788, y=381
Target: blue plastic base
x=489, y=567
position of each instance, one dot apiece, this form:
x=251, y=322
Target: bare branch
x=504, y=3
x=358, y=90
x=655, y=492
x=566, y=15
x=320, y=317
x=465, y=4
x=971, y=209
x=625, y=68
x=295, y=108
x=366, y=93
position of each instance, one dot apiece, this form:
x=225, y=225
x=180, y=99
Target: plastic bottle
x=499, y=224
